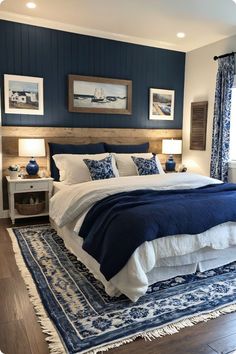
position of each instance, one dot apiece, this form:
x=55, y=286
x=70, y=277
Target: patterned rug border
x=55, y=342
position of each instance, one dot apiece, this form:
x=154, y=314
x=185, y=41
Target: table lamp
x=171, y=147
x=31, y=148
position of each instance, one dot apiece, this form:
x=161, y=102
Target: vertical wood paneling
x=51, y=54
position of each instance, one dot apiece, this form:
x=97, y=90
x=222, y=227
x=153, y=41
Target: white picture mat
x=23, y=79
x=169, y=94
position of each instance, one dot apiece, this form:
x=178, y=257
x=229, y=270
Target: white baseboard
x=4, y=214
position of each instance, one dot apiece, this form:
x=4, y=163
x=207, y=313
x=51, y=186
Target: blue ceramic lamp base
x=32, y=168
x=170, y=164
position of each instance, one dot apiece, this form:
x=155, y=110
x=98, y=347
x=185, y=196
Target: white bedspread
x=72, y=204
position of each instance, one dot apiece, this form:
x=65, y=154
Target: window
x=232, y=151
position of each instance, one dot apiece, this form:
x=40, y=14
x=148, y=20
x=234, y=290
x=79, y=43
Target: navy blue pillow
x=127, y=149
x=54, y=149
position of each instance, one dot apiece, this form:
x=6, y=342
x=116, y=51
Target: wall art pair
x=102, y=95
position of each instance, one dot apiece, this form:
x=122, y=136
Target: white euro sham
x=73, y=170
x=127, y=167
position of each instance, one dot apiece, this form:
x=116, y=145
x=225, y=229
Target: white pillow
x=73, y=170
x=126, y=165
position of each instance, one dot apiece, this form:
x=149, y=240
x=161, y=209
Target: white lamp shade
x=31, y=147
x=171, y=146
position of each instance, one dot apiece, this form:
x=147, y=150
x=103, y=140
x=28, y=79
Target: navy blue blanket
x=115, y=226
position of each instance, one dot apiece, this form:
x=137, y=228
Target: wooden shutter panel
x=198, y=125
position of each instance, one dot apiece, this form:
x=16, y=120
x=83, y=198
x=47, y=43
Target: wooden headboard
x=10, y=137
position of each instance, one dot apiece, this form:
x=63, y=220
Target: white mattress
x=153, y=261
x=134, y=283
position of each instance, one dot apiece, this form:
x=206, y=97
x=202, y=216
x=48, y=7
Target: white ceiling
x=148, y=22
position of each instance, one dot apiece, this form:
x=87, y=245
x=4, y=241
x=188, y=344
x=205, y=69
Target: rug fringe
x=53, y=338
x=170, y=329
x=54, y=342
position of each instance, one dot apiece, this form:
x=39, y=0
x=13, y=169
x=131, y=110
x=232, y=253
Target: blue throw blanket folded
x=115, y=226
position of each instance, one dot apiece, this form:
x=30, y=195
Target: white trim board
x=37, y=21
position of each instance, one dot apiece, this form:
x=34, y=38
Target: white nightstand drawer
x=31, y=186
x=26, y=187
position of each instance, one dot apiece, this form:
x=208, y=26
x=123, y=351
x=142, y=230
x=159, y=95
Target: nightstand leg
x=12, y=208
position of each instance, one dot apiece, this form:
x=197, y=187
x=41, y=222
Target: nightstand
x=27, y=186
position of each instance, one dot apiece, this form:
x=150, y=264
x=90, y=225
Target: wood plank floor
x=21, y=334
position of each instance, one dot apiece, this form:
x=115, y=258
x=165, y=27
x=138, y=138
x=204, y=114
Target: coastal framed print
x=90, y=94
x=161, y=104
x=23, y=94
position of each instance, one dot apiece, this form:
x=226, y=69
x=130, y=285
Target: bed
x=152, y=261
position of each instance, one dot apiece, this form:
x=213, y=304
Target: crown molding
x=37, y=21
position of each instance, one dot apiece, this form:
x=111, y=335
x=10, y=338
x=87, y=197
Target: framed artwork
x=99, y=95
x=161, y=104
x=23, y=94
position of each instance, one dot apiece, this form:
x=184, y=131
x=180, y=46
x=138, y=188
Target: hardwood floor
x=21, y=334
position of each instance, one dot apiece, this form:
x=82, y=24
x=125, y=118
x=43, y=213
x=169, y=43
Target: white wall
x=200, y=80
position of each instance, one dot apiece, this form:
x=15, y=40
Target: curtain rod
x=223, y=56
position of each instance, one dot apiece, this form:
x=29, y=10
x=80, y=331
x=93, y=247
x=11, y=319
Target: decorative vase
x=32, y=167
x=170, y=164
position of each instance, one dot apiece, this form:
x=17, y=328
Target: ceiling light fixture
x=182, y=34
x=31, y=5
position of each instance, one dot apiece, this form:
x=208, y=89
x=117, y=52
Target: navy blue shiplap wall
x=51, y=54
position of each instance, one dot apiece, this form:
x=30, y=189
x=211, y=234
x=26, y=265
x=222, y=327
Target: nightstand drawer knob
x=31, y=186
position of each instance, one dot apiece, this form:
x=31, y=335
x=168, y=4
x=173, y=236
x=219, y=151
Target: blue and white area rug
x=78, y=316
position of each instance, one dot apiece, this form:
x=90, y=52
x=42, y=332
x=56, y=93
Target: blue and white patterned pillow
x=146, y=166
x=100, y=169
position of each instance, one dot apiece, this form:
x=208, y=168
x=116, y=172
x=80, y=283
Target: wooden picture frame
x=161, y=104
x=88, y=94
x=23, y=94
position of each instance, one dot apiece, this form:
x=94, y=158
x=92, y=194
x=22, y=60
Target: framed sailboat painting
x=90, y=94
